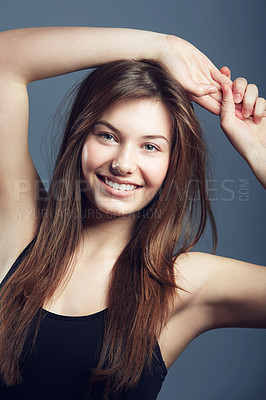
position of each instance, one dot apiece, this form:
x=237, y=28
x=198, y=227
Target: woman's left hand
x=194, y=71
x=243, y=119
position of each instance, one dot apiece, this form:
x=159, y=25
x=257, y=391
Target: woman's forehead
x=141, y=116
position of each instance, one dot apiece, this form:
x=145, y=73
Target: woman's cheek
x=92, y=156
x=158, y=172
x=155, y=177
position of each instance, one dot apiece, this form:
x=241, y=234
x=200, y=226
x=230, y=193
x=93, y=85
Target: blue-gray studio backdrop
x=221, y=364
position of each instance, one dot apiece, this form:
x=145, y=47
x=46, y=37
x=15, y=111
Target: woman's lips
x=118, y=192
x=116, y=180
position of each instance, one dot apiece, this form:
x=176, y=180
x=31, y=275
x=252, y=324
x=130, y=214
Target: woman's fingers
x=223, y=77
x=249, y=100
x=246, y=95
x=208, y=103
x=201, y=89
x=239, y=88
x=259, y=110
x=226, y=71
x=220, y=78
x=227, y=109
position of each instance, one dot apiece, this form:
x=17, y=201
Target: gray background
x=227, y=363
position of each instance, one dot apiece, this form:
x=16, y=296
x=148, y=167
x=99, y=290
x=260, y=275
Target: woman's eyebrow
x=154, y=137
x=108, y=125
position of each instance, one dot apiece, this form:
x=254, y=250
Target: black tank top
x=66, y=347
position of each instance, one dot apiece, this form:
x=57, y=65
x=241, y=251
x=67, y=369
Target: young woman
x=103, y=294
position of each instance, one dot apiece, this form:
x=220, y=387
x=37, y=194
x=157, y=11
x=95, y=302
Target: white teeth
x=116, y=185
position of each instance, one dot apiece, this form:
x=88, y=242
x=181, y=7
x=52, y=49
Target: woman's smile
x=120, y=184
x=114, y=188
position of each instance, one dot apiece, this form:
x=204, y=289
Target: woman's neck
x=106, y=235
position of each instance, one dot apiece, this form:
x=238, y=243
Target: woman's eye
x=106, y=136
x=150, y=148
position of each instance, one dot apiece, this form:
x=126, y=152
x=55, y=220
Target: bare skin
x=234, y=288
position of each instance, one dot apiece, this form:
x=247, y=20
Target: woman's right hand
x=243, y=120
x=195, y=72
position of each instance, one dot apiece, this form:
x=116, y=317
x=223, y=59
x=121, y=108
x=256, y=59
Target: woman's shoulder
x=187, y=317
x=194, y=272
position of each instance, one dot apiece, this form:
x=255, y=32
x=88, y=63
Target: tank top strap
x=17, y=262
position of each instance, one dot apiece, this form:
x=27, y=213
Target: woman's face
x=136, y=134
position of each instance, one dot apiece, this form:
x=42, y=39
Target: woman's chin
x=117, y=212
x=99, y=212
x=96, y=209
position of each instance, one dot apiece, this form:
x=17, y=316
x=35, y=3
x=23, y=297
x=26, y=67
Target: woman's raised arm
x=36, y=53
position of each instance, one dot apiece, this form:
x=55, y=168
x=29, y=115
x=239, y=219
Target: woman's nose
x=125, y=161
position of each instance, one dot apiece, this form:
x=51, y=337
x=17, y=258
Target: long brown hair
x=142, y=284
